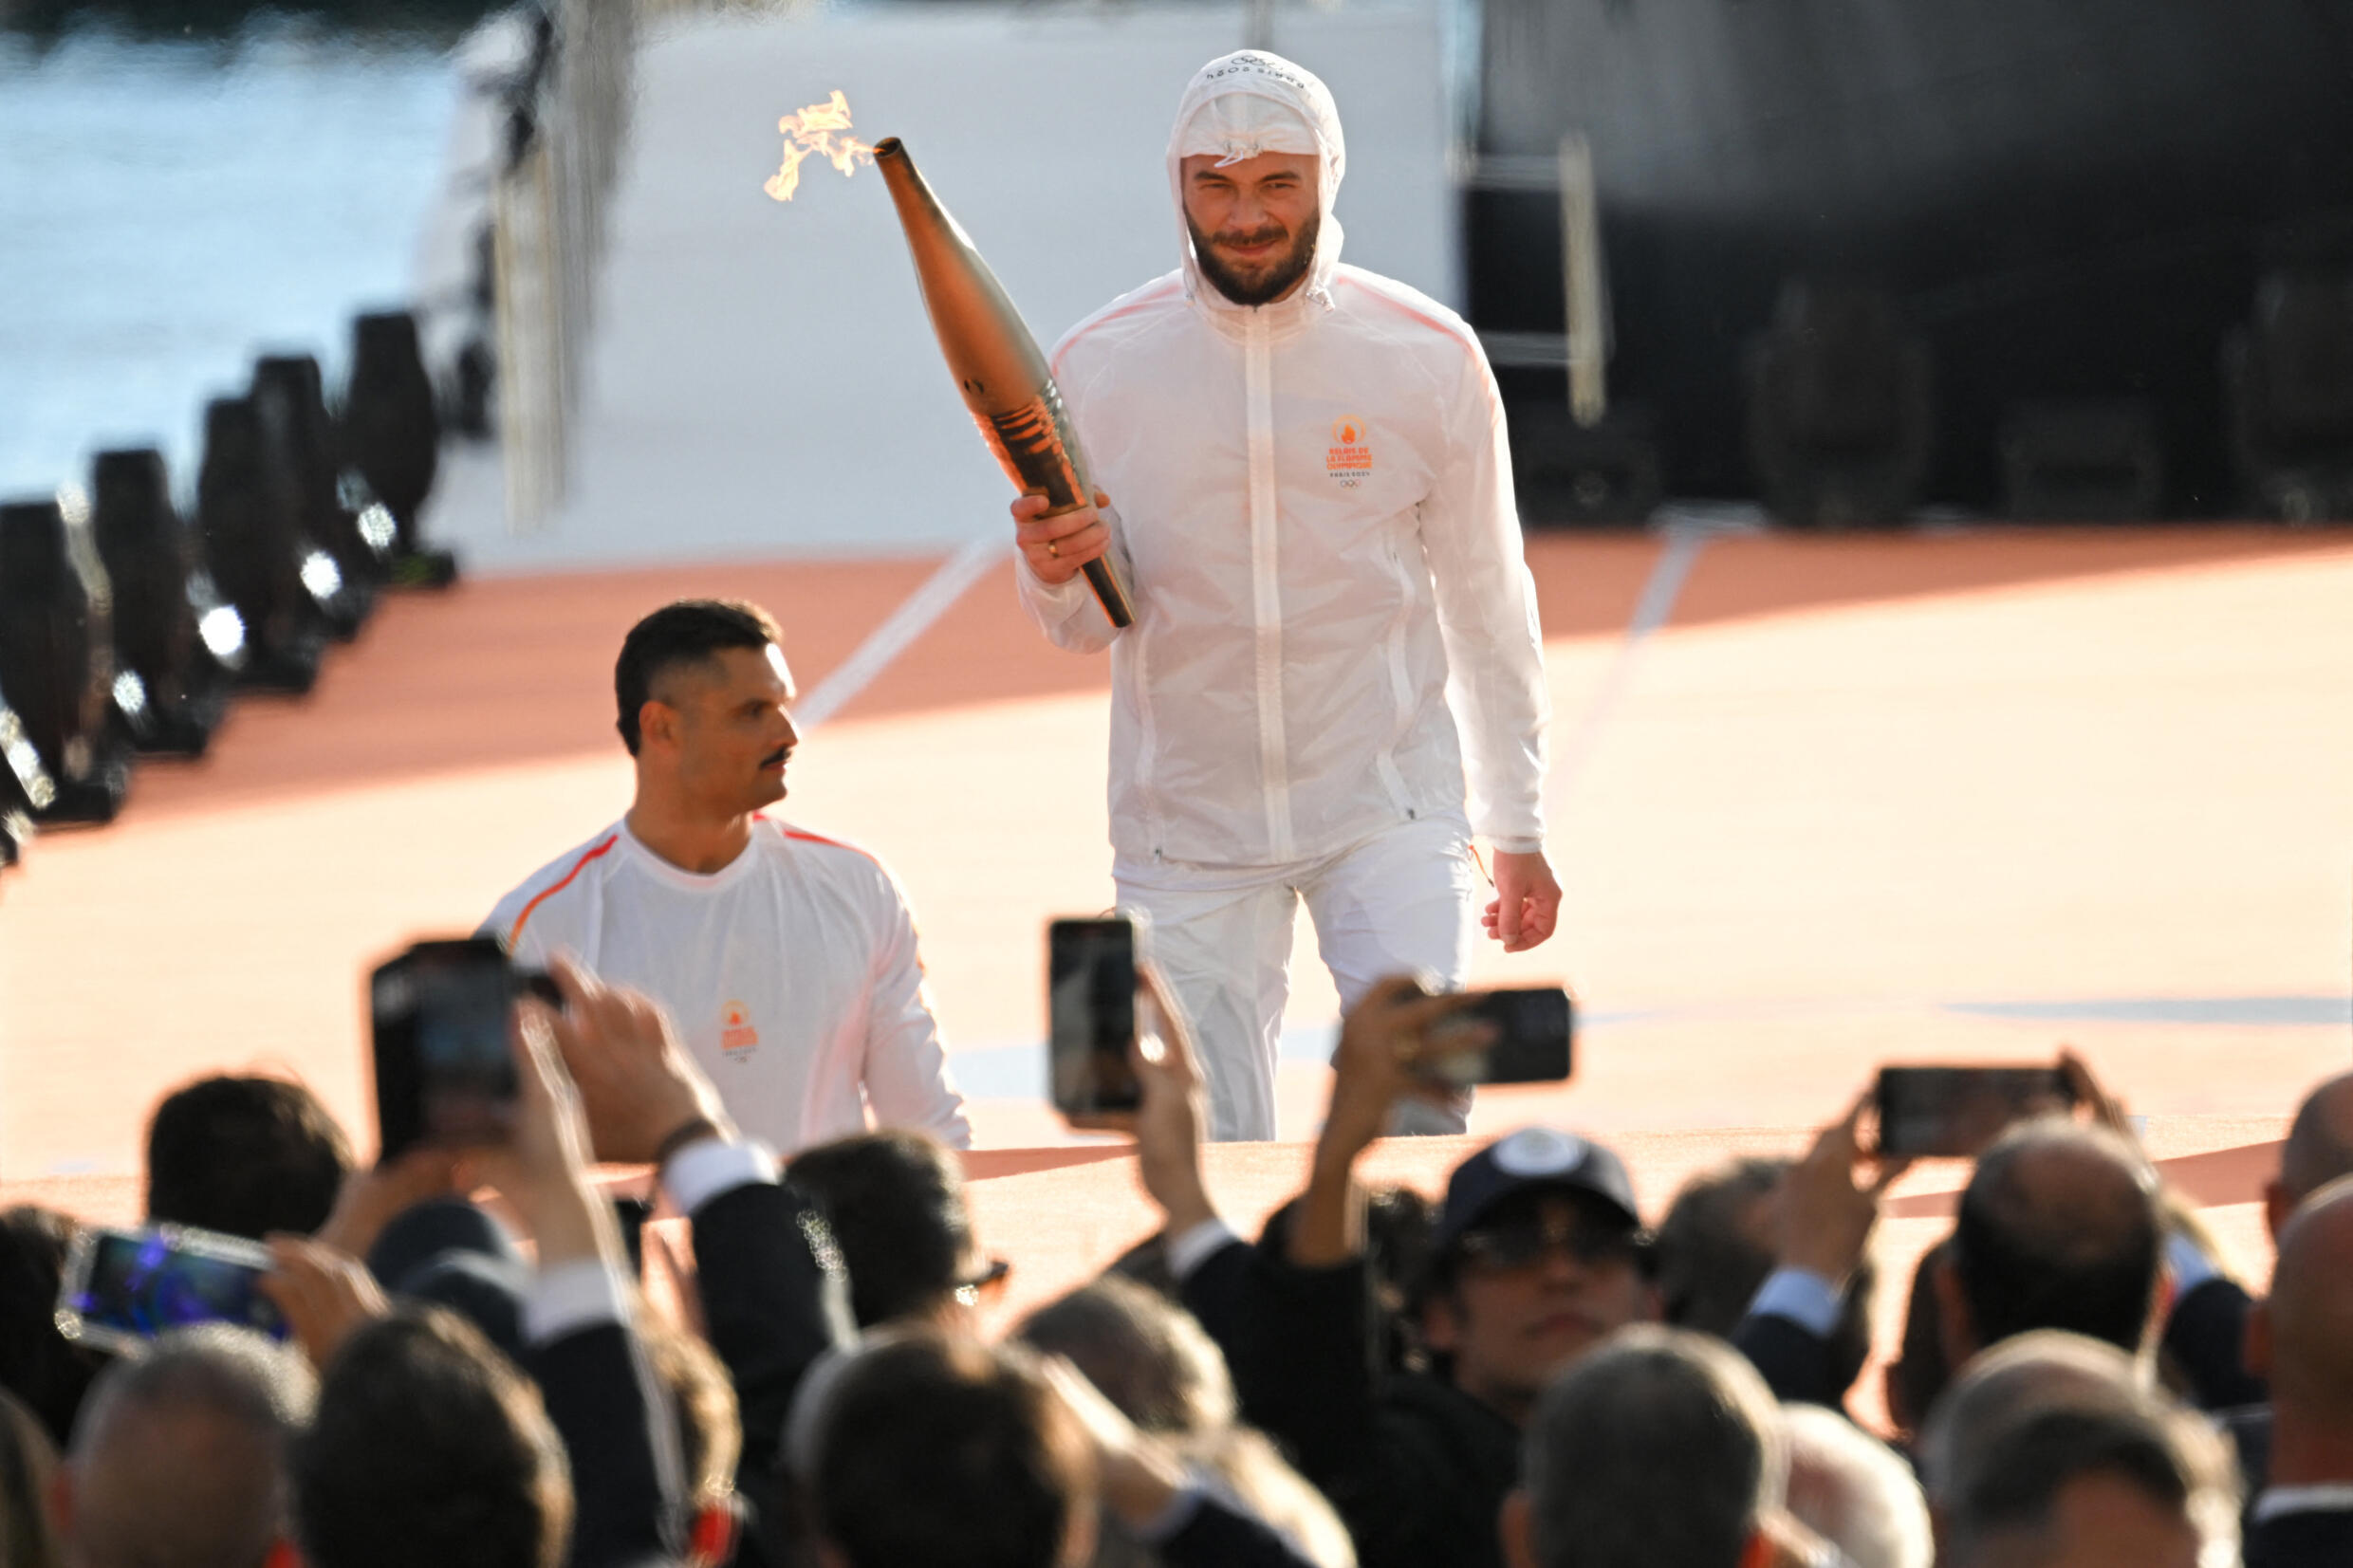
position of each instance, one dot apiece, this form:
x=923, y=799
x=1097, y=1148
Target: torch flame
x=821, y=129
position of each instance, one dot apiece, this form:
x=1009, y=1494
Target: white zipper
x=1265, y=596
x=1400, y=684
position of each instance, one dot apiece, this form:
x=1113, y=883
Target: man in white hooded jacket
x=1305, y=473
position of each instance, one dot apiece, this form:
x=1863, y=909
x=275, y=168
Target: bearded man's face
x=1254, y=223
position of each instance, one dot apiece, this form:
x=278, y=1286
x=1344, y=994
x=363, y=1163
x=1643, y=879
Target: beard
x=1262, y=282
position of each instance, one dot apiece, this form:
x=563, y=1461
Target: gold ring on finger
x=1054, y=550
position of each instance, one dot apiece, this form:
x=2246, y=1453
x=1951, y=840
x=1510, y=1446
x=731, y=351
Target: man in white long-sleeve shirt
x=787, y=960
x=1313, y=501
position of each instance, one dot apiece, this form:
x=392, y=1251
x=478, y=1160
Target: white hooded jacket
x=1313, y=500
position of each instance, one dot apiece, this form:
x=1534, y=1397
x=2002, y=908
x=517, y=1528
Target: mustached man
x=786, y=961
x=1335, y=677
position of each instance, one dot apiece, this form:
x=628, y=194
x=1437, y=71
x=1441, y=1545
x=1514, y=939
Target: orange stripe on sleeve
x=819, y=839
x=577, y=866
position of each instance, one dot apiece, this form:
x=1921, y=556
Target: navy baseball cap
x=1531, y=1159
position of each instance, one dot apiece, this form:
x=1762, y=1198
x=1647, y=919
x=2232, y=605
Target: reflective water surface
x=170, y=209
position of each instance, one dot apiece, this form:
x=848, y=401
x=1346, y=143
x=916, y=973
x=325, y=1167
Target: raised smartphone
x=1091, y=1009
x=1953, y=1113
x=445, y=1073
x=121, y=1288
x=1534, y=1026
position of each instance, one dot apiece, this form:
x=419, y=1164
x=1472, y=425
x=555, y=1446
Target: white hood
x=1252, y=103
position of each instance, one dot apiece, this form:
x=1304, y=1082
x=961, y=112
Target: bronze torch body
x=995, y=362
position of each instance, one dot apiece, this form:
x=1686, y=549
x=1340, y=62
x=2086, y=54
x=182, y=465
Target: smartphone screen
x=123, y=1286
x=1953, y=1113
x=444, y=1071
x=1534, y=1027
x=1090, y=992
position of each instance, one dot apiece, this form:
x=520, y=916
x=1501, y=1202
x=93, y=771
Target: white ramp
x=762, y=379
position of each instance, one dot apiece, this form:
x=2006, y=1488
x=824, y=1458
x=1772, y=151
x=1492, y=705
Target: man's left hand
x=1528, y=901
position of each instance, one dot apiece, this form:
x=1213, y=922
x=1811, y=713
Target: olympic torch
x=995, y=362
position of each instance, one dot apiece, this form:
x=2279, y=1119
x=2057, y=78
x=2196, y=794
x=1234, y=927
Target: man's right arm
x=774, y=1294
x=1828, y=1212
x=1051, y=553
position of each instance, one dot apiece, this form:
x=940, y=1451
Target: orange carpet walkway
x=1864, y=798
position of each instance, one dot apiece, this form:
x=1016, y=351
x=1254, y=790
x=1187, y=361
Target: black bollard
x=390, y=433
x=256, y=553
x=57, y=660
x=162, y=603
x=295, y=427
x=391, y=438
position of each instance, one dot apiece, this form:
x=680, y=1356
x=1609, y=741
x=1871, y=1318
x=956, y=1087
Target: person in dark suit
x=1537, y=1254
x=429, y=1445
x=774, y=1297
x=1661, y=1450
x=931, y=1448
x=179, y=1460
x=2071, y=1487
x=2301, y=1339
x=2057, y=1449
x=776, y=1303
x=2061, y=1227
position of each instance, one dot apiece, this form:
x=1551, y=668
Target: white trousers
x=1396, y=902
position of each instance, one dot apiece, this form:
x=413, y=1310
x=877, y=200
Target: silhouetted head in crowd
x=246, y=1155
x=895, y=1202
x=2301, y=1339
x=1537, y=1255
x=28, y=1538
x=2059, y=1227
x=180, y=1459
x=1148, y=1355
x=1659, y=1450
x=1855, y=1491
x=1719, y=1241
x=1717, y=1245
x=2069, y=1487
x=49, y=1373
x=704, y=697
x=1919, y=1372
x=429, y=1448
x=2025, y=1373
x=939, y=1451
x=2318, y=1150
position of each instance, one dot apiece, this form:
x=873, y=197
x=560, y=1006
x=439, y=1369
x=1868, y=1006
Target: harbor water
x=171, y=207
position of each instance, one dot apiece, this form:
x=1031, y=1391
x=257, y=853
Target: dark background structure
x=2067, y=199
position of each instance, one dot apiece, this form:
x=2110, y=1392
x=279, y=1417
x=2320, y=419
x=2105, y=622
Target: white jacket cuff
x=572, y=1296
x=1190, y=1250
x=703, y=1170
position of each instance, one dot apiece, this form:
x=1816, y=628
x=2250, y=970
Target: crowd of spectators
x=1529, y=1371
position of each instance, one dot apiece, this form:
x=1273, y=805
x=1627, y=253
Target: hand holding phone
x=1526, y=1040
x=1091, y=1009
x=445, y=1072
x=323, y=1292
x=1954, y=1113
